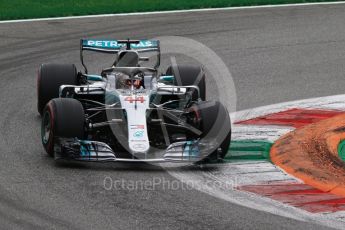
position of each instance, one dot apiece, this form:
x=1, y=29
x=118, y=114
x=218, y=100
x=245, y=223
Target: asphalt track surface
x=274, y=55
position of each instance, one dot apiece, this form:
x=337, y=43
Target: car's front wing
x=94, y=151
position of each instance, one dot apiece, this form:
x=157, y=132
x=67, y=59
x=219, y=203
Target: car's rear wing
x=114, y=46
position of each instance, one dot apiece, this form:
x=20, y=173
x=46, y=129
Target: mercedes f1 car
x=130, y=112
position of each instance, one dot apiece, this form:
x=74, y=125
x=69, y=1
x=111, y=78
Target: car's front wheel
x=62, y=117
x=213, y=120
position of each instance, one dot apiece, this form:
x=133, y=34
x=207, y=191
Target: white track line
x=176, y=11
x=336, y=102
x=256, y=132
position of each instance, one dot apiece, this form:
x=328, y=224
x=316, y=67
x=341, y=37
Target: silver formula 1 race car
x=130, y=112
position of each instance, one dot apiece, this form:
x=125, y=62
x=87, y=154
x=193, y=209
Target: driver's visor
x=136, y=83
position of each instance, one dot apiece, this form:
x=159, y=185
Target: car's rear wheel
x=50, y=78
x=189, y=75
x=62, y=117
x=214, y=122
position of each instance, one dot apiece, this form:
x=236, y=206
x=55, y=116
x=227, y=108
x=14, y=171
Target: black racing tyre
x=189, y=75
x=215, y=125
x=62, y=117
x=50, y=77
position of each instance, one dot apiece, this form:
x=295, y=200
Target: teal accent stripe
x=94, y=77
x=167, y=78
x=341, y=150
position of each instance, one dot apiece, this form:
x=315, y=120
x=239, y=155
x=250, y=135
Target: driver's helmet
x=123, y=81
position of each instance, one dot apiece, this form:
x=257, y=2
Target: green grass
x=20, y=9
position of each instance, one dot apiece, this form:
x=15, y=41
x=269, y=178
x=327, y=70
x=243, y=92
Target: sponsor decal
x=138, y=134
x=144, y=44
x=113, y=44
x=103, y=44
x=137, y=126
x=131, y=99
